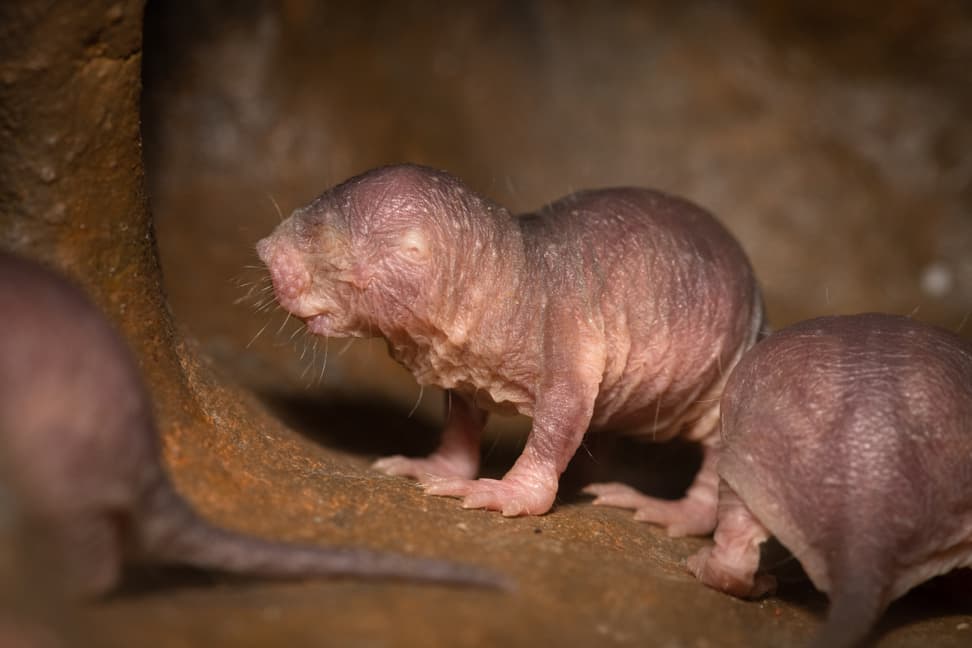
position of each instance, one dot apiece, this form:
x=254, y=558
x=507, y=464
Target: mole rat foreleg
x=457, y=456
x=564, y=405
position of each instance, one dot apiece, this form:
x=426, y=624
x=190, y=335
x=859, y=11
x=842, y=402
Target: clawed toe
x=425, y=469
x=615, y=494
x=509, y=497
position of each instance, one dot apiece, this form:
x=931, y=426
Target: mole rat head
x=361, y=254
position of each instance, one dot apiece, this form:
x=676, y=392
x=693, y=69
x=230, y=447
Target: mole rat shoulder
x=848, y=439
x=79, y=452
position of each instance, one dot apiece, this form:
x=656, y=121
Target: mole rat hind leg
x=859, y=585
x=563, y=409
x=693, y=514
x=731, y=565
x=457, y=456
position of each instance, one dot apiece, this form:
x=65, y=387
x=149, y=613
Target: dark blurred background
x=832, y=139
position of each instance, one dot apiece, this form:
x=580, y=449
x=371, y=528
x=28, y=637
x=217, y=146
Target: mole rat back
x=849, y=439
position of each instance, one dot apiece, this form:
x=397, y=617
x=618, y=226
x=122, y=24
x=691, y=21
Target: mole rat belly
x=453, y=368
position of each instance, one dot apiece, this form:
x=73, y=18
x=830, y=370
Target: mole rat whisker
x=313, y=360
x=246, y=297
x=267, y=304
x=417, y=402
x=777, y=563
x=510, y=187
x=320, y=378
x=276, y=206
x=260, y=303
x=586, y=449
x=258, y=333
x=286, y=319
x=491, y=449
x=914, y=311
x=263, y=303
x=654, y=425
x=346, y=346
x=297, y=332
x=965, y=319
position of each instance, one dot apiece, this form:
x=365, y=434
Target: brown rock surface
x=832, y=141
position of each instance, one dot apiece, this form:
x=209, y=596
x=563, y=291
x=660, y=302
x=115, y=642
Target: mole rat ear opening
x=414, y=243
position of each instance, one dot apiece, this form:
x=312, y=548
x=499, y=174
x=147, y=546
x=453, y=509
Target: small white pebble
x=936, y=279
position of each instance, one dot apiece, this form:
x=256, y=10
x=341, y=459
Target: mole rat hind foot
x=694, y=514
x=176, y=534
x=528, y=312
x=732, y=564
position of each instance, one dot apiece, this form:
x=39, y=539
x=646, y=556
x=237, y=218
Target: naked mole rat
x=80, y=455
x=849, y=438
x=614, y=308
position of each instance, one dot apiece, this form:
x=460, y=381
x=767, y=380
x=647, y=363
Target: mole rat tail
x=171, y=532
x=854, y=609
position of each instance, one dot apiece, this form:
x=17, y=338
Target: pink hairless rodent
x=613, y=308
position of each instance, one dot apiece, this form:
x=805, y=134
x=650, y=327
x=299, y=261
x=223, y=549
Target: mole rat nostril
x=288, y=271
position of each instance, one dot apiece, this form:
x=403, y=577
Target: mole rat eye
x=414, y=244
x=330, y=242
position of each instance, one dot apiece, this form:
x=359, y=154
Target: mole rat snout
x=263, y=250
x=288, y=271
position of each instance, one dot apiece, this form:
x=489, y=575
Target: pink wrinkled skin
x=615, y=308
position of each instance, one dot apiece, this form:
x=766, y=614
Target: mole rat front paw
x=511, y=496
x=425, y=470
